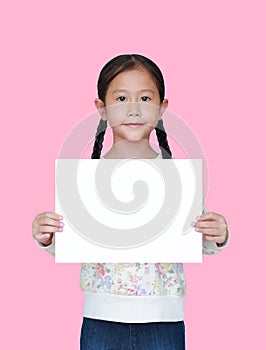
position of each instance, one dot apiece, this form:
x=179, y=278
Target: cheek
x=151, y=113
x=115, y=116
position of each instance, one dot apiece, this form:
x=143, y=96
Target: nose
x=133, y=109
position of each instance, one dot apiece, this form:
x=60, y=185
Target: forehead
x=137, y=78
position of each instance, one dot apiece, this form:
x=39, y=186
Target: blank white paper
x=128, y=210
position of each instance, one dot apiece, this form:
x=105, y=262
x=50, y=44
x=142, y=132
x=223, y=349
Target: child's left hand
x=213, y=226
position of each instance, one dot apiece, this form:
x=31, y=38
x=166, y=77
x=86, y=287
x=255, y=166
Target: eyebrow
x=124, y=90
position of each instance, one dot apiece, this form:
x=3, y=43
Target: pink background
x=212, y=54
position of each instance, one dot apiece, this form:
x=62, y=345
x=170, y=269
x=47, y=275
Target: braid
x=98, y=144
x=162, y=139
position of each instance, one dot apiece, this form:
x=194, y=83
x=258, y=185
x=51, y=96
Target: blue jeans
x=108, y=335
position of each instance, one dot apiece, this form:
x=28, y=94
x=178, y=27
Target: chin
x=132, y=135
x=134, y=139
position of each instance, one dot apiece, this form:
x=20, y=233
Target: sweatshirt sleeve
x=209, y=247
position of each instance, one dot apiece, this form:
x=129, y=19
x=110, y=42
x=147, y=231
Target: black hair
x=116, y=66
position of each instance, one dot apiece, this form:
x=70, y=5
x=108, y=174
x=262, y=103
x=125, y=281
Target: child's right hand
x=45, y=225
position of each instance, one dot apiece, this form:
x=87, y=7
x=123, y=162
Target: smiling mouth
x=133, y=125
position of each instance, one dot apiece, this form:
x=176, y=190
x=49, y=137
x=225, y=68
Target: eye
x=145, y=98
x=121, y=98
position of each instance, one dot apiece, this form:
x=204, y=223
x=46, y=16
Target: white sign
x=128, y=210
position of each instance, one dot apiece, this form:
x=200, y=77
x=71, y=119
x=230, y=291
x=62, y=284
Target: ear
x=99, y=104
x=163, y=106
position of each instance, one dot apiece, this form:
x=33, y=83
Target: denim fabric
x=107, y=335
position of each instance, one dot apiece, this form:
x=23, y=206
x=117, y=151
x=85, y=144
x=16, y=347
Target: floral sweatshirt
x=135, y=292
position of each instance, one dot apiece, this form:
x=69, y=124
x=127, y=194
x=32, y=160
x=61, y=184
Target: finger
x=216, y=239
x=49, y=214
x=47, y=229
x=221, y=227
x=50, y=222
x=209, y=216
x=206, y=224
x=208, y=231
x=43, y=238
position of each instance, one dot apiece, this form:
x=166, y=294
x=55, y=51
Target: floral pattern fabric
x=134, y=278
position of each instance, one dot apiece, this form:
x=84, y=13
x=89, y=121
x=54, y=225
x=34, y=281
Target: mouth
x=133, y=125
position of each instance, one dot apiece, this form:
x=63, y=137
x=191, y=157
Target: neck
x=130, y=149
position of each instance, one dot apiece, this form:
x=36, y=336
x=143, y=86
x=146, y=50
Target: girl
x=133, y=306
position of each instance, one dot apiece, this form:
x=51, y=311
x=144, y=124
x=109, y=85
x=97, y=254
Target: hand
x=45, y=225
x=213, y=226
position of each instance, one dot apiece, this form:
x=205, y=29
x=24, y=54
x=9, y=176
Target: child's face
x=132, y=105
